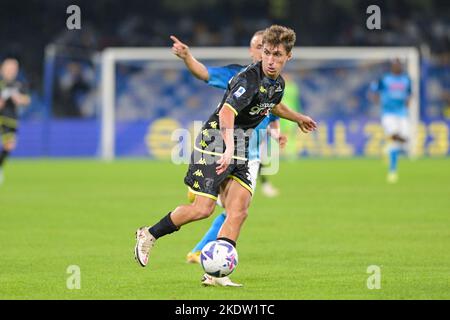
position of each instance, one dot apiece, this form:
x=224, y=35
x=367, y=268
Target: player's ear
x=289, y=56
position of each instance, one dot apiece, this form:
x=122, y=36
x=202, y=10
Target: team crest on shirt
x=279, y=88
x=239, y=92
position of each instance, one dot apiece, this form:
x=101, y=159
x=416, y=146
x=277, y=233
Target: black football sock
x=3, y=155
x=163, y=227
x=262, y=177
x=228, y=240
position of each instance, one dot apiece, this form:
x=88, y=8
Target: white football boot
x=392, y=177
x=144, y=244
x=208, y=280
x=269, y=190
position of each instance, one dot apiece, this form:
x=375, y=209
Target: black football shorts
x=202, y=179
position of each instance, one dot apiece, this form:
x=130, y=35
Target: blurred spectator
x=72, y=88
x=420, y=23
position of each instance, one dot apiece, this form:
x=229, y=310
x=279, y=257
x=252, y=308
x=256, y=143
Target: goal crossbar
x=110, y=56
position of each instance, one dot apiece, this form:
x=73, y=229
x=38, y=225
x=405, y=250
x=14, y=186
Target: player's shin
x=394, y=150
x=212, y=233
x=3, y=155
x=393, y=160
x=232, y=226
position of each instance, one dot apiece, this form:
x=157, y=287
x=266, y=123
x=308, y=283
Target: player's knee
x=239, y=214
x=243, y=214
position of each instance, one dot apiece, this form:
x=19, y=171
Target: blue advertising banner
x=153, y=138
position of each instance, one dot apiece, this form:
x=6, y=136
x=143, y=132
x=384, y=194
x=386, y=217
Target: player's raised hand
x=307, y=124
x=179, y=49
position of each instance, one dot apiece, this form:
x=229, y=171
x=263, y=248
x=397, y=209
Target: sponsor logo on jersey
x=261, y=108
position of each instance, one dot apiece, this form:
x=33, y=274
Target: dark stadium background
x=29, y=27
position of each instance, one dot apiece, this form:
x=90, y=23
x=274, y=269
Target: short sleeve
x=242, y=91
x=220, y=76
x=273, y=117
x=279, y=98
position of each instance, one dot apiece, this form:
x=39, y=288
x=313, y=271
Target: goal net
x=147, y=94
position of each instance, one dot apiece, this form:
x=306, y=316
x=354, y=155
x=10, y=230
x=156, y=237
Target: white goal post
x=111, y=56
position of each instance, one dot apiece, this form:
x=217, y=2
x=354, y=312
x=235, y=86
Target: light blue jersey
x=255, y=139
x=219, y=78
x=394, y=91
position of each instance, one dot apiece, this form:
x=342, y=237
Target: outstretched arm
x=305, y=123
x=182, y=51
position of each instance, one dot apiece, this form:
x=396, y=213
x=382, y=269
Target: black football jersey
x=251, y=95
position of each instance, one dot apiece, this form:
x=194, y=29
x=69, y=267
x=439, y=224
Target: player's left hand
x=306, y=124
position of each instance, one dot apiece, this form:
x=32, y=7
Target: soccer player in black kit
x=220, y=150
x=13, y=94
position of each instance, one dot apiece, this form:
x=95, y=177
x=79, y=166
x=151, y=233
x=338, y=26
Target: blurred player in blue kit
x=393, y=92
x=13, y=94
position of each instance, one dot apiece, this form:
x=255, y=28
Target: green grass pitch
x=333, y=219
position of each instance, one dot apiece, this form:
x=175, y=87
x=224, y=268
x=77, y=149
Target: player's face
x=9, y=70
x=256, y=48
x=396, y=67
x=273, y=60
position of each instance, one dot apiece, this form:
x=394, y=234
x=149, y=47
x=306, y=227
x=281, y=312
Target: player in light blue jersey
x=219, y=77
x=393, y=92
